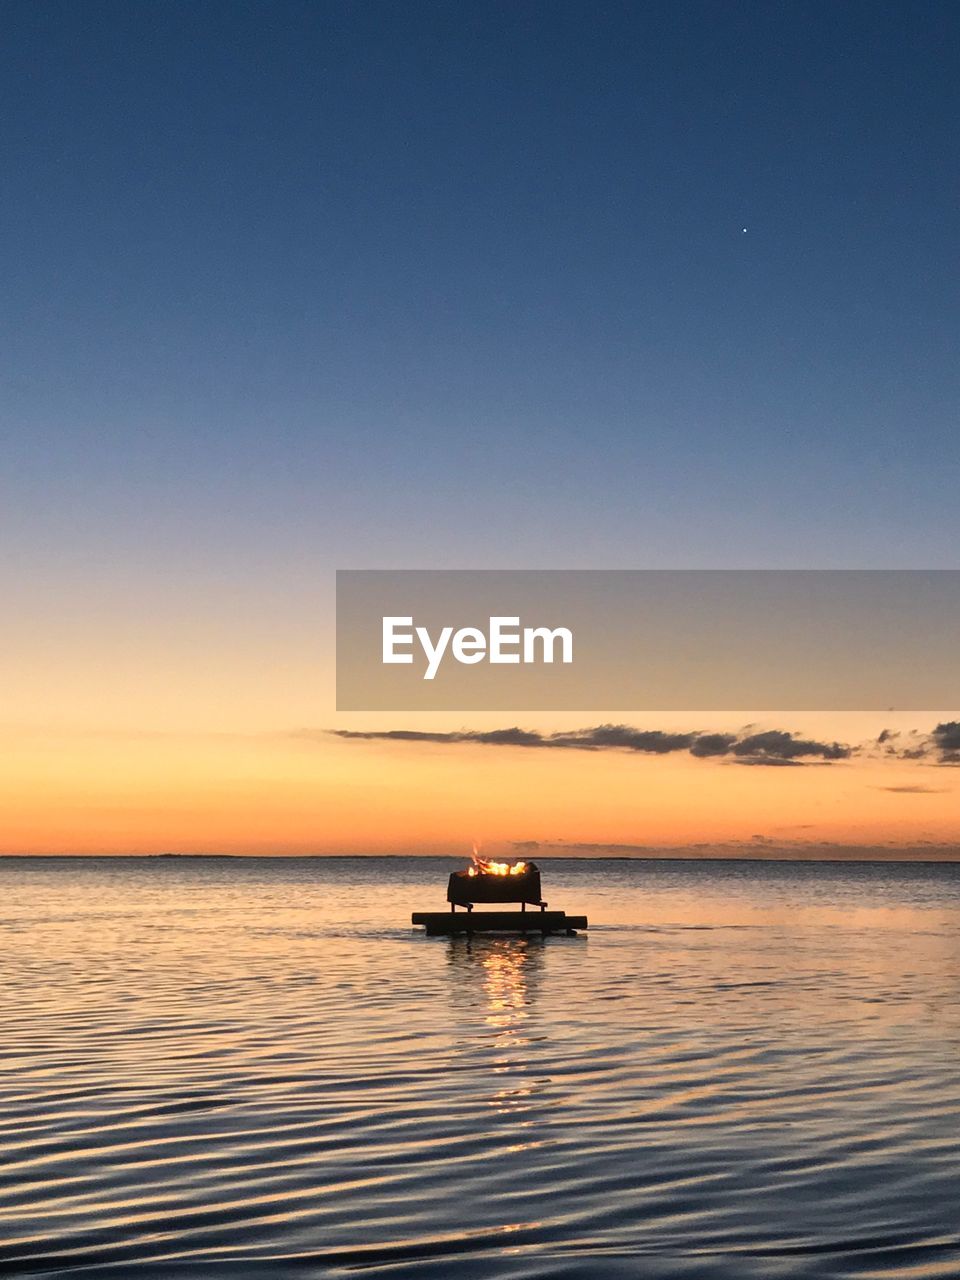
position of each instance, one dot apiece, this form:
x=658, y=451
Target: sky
x=290, y=287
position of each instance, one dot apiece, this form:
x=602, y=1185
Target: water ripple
x=728, y=1080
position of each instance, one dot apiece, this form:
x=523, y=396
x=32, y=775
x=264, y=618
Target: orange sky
x=113, y=789
x=120, y=736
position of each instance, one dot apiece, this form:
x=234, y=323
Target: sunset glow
x=300, y=793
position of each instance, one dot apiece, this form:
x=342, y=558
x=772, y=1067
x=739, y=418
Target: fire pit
x=488, y=881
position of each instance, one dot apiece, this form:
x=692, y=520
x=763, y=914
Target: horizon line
x=452, y=857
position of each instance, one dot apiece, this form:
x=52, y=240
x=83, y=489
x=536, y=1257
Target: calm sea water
x=256, y=1068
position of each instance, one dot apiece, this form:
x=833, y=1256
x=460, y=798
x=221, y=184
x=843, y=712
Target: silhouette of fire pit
x=489, y=881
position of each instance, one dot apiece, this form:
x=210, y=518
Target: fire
x=484, y=866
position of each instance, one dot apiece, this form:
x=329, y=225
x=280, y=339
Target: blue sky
x=289, y=286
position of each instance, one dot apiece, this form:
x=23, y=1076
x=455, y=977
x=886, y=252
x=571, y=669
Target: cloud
x=757, y=846
x=940, y=746
x=779, y=762
x=493, y=737
x=915, y=791
x=712, y=744
x=771, y=747
x=777, y=747
x=946, y=741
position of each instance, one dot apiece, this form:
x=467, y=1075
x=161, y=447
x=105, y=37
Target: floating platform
x=437, y=922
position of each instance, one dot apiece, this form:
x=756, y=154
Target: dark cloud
x=772, y=747
x=586, y=849
x=946, y=741
x=915, y=791
x=493, y=737
x=712, y=744
x=758, y=846
x=777, y=746
x=779, y=762
x=940, y=746
x=622, y=737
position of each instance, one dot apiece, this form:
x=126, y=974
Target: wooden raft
x=488, y=921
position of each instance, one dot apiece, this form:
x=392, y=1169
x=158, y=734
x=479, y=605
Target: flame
x=485, y=867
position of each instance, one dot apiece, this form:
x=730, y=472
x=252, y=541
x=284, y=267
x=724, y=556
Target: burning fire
x=484, y=867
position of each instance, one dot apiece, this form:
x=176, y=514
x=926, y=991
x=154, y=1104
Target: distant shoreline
x=952, y=857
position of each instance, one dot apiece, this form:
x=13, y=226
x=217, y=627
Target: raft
x=451, y=922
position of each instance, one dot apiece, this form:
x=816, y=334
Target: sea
x=255, y=1067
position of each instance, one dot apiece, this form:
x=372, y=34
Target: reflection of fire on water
x=505, y=986
x=495, y=984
